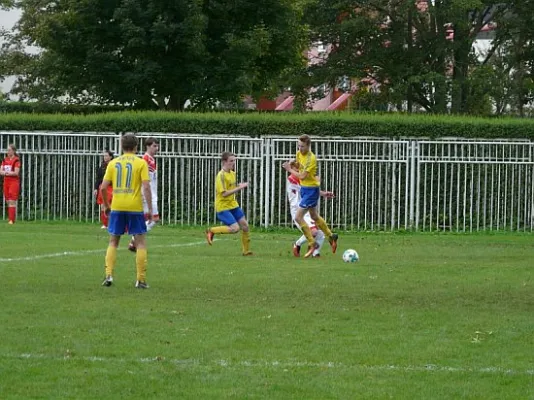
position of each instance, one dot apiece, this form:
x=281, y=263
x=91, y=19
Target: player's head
x=11, y=150
x=129, y=143
x=151, y=146
x=304, y=143
x=228, y=161
x=108, y=155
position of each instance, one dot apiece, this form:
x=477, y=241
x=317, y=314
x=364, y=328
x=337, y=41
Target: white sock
x=301, y=241
x=319, y=239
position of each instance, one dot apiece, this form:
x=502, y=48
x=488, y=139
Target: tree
x=420, y=52
x=143, y=52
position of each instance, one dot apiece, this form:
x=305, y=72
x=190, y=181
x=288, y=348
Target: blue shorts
x=120, y=220
x=309, y=196
x=230, y=217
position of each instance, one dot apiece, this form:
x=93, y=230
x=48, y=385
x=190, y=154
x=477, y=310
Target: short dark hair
x=149, y=142
x=129, y=142
x=226, y=155
x=305, y=139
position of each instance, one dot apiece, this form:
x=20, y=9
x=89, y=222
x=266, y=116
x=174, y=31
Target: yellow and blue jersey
x=308, y=162
x=223, y=182
x=126, y=174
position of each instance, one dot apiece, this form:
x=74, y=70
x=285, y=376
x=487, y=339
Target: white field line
x=284, y=365
x=84, y=252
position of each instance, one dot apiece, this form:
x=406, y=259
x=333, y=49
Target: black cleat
x=141, y=285
x=108, y=281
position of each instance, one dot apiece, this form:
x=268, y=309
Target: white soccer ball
x=350, y=256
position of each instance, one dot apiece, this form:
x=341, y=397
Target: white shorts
x=309, y=221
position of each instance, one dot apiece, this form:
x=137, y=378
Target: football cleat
x=209, y=237
x=333, y=242
x=296, y=250
x=248, y=253
x=141, y=285
x=311, y=249
x=108, y=281
x=316, y=255
x=131, y=247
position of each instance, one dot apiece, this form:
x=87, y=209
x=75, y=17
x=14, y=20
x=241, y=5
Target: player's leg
x=319, y=239
x=245, y=231
x=117, y=224
x=12, y=211
x=137, y=227
x=230, y=226
x=321, y=224
x=11, y=192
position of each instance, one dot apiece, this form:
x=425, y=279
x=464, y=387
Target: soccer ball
x=350, y=256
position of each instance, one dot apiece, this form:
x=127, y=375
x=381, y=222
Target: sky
x=7, y=20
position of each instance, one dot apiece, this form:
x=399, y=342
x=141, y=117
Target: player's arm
x=327, y=194
x=292, y=168
x=147, y=192
x=104, y=193
x=15, y=172
x=239, y=187
x=220, y=187
x=2, y=172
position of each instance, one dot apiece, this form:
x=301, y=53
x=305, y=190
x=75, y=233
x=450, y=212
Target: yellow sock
x=141, y=260
x=245, y=241
x=307, y=232
x=220, y=229
x=321, y=224
x=111, y=258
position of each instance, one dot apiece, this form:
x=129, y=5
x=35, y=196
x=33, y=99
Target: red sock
x=12, y=213
x=104, y=218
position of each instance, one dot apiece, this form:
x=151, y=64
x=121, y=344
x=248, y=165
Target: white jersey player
x=152, y=147
x=293, y=195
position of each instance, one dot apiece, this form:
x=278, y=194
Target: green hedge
x=255, y=124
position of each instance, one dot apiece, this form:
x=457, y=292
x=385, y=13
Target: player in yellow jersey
x=309, y=194
x=128, y=174
x=226, y=205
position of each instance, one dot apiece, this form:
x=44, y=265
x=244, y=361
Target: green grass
x=420, y=316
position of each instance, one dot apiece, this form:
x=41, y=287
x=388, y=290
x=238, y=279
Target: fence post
x=413, y=156
x=265, y=186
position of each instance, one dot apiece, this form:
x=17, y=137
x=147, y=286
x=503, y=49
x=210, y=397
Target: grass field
x=421, y=316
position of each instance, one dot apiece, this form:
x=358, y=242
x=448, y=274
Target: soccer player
x=10, y=170
x=128, y=174
x=151, y=148
x=226, y=205
x=309, y=194
x=293, y=196
x=106, y=158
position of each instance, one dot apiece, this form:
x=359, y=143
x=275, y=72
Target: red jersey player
x=10, y=170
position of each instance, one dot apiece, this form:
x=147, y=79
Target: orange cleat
x=209, y=237
x=311, y=249
x=333, y=242
x=296, y=250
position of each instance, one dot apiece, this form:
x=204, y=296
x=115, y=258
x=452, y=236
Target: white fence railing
x=380, y=184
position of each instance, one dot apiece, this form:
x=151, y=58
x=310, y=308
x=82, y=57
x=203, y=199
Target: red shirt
x=9, y=165
x=152, y=167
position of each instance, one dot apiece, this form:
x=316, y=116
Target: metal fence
x=380, y=184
